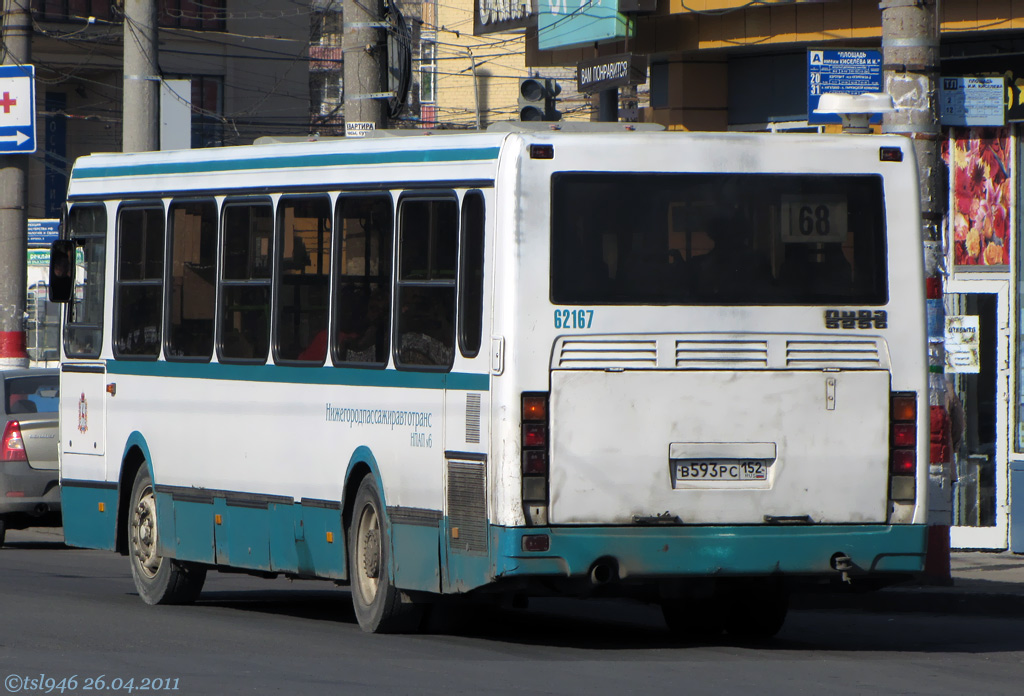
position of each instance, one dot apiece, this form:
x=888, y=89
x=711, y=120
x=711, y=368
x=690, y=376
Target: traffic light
x=537, y=99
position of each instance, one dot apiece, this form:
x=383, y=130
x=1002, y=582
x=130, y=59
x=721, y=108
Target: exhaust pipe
x=603, y=572
x=842, y=563
x=42, y=509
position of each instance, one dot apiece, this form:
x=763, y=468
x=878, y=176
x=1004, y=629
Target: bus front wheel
x=158, y=580
x=377, y=602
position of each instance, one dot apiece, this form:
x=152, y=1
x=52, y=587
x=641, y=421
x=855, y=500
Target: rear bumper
x=652, y=552
x=28, y=491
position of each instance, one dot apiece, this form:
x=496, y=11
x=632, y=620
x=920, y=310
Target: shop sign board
x=491, y=16
x=359, y=129
x=565, y=24
x=42, y=232
x=962, y=342
x=850, y=71
x=971, y=101
x=609, y=72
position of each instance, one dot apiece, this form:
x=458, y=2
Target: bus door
x=465, y=525
x=83, y=385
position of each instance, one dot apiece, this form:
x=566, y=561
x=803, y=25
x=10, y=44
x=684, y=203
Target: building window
x=70, y=10
x=207, y=110
x=200, y=15
x=428, y=72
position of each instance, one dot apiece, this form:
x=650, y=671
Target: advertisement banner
x=981, y=210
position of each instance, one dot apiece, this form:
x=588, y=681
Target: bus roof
x=473, y=157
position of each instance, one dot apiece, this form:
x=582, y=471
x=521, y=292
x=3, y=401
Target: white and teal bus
x=687, y=368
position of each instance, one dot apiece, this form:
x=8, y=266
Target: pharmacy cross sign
x=7, y=102
x=17, y=109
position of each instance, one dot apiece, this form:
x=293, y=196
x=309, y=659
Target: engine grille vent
x=467, y=507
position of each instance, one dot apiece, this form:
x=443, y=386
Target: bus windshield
x=730, y=239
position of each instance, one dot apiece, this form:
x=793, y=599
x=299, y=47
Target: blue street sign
x=846, y=72
x=17, y=109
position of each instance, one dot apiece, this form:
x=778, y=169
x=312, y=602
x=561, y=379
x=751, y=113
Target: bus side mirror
x=62, y=270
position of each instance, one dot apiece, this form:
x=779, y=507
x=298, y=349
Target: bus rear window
x=730, y=239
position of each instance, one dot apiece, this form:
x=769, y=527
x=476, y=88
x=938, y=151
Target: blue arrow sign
x=17, y=109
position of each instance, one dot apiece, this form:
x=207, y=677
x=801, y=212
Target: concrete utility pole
x=910, y=61
x=17, y=50
x=910, y=58
x=140, y=128
x=364, y=47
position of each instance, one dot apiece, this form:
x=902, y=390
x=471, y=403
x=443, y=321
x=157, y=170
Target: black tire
x=756, y=609
x=158, y=580
x=694, y=619
x=377, y=602
x=3, y=531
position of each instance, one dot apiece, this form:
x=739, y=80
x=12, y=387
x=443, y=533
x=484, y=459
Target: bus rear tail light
x=12, y=446
x=534, y=447
x=903, y=447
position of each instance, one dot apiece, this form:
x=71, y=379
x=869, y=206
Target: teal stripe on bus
x=283, y=374
x=334, y=159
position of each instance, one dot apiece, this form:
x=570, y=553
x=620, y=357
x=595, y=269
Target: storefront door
x=979, y=489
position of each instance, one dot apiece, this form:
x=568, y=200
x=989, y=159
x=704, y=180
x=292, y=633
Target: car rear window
x=36, y=394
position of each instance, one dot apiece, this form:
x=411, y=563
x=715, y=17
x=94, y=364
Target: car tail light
x=12, y=447
x=903, y=446
x=534, y=448
x=940, y=436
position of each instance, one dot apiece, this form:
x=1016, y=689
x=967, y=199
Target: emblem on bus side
x=83, y=414
x=855, y=319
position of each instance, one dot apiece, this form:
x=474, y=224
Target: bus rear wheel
x=158, y=580
x=756, y=610
x=377, y=602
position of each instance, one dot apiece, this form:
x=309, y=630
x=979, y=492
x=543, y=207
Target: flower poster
x=982, y=195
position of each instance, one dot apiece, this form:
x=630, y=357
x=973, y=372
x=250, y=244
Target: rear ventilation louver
x=467, y=507
x=832, y=354
x=733, y=354
x=603, y=354
x=724, y=351
x=473, y=418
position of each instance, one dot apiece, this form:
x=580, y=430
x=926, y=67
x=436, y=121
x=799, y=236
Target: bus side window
x=244, y=332
x=193, y=261
x=362, y=307
x=83, y=332
x=425, y=325
x=471, y=274
x=304, y=259
x=138, y=294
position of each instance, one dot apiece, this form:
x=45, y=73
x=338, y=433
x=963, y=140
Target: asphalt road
x=72, y=613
